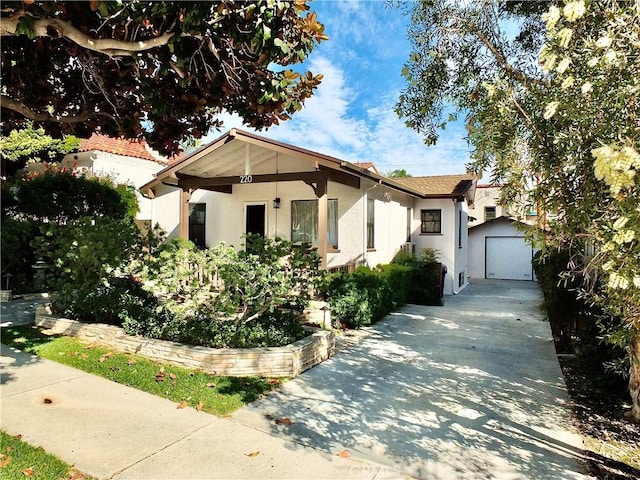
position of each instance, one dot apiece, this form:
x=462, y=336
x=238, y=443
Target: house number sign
x=246, y=178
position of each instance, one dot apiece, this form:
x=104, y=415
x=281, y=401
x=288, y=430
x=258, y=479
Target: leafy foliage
x=37, y=210
x=60, y=195
x=31, y=145
x=225, y=298
x=80, y=67
x=367, y=295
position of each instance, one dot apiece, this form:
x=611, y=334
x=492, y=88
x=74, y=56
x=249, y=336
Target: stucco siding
x=450, y=253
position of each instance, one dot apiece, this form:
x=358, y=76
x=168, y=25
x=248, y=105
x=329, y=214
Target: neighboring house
x=499, y=250
x=488, y=206
x=125, y=161
x=244, y=183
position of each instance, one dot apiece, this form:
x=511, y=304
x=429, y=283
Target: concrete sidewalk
x=471, y=390
x=115, y=432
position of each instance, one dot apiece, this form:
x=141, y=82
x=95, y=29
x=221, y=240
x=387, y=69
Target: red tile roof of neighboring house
x=120, y=146
x=445, y=185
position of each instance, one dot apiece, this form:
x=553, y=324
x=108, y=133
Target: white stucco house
x=498, y=250
x=245, y=183
x=128, y=162
x=487, y=205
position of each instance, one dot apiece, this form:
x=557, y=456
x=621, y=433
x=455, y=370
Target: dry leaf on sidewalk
x=199, y=406
x=182, y=405
x=252, y=454
x=344, y=454
x=284, y=421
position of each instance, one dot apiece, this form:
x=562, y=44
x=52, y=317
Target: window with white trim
x=304, y=222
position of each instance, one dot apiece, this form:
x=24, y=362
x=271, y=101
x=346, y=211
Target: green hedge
x=367, y=295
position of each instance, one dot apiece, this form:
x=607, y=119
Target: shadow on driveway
x=469, y=390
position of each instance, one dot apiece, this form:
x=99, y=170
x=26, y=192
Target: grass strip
x=187, y=387
x=18, y=459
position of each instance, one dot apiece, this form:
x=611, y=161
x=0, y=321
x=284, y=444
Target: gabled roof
x=501, y=218
x=224, y=160
x=120, y=146
x=439, y=185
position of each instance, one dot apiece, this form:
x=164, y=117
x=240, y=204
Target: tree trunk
x=634, y=378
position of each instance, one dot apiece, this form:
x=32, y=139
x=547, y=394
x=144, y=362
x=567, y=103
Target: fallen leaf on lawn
x=173, y=376
x=160, y=376
x=2, y=455
x=5, y=462
x=9, y=449
x=18, y=436
x=252, y=454
x=84, y=356
x=284, y=421
x=131, y=362
x=90, y=346
x=211, y=385
x=105, y=356
x=268, y=416
x=28, y=472
x=182, y=405
x=274, y=381
x=73, y=354
x=199, y=406
x=344, y=454
x=76, y=476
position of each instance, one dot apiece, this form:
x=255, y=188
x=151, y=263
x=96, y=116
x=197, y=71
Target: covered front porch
x=272, y=179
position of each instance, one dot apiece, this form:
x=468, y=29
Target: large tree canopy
x=553, y=111
x=164, y=71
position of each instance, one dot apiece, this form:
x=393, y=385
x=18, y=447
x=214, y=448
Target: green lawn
x=21, y=460
x=217, y=395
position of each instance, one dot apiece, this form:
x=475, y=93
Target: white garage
x=498, y=250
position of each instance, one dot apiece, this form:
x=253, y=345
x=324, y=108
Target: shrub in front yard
x=366, y=295
x=425, y=277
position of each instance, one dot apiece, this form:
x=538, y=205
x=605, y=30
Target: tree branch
x=107, y=46
x=500, y=58
x=21, y=108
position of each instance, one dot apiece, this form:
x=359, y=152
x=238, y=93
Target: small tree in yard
x=554, y=112
x=165, y=71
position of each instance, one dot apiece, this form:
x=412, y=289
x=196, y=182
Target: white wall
x=226, y=216
x=390, y=228
x=485, y=197
x=127, y=170
x=453, y=256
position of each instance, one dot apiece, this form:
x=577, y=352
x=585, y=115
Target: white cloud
x=327, y=124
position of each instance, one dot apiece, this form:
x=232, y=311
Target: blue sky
x=351, y=114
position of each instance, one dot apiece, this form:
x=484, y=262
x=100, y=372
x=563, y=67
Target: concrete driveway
x=469, y=390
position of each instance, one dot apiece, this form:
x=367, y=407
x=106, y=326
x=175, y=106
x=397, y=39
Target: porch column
x=185, y=196
x=323, y=224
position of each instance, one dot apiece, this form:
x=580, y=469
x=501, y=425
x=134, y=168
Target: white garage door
x=508, y=258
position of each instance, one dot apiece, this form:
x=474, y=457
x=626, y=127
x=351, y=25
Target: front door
x=255, y=220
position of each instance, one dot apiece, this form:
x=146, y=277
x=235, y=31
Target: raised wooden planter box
x=287, y=361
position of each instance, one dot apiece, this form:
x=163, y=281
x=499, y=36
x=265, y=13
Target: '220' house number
x=246, y=178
